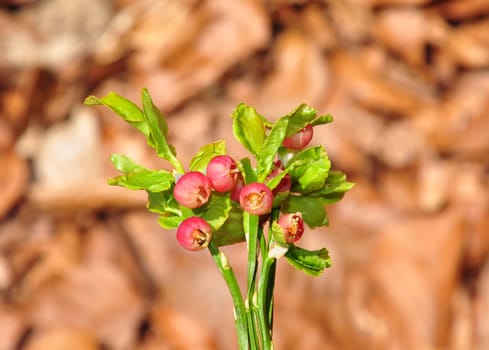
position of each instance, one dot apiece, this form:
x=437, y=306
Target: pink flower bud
x=292, y=226
x=299, y=140
x=194, y=233
x=256, y=198
x=223, y=173
x=193, y=189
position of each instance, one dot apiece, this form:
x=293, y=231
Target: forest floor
x=83, y=266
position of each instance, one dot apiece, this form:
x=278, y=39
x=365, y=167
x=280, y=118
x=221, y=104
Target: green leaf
x=205, y=154
x=309, y=169
x=216, y=211
x=163, y=202
x=151, y=180
x=149, y=121
x=158, y=131
x=231, y=231
x=156, y=202
x=311, y=262
x=279, y=198
x=274, y=181
x=169, y=221
x=124, y=164
x=123, y=107
x=336, y=183
x=244, y=165
x=312, y=209
x=323, y=119
x=172, y=214
x=137, y=177
x=249, y=128
x=299, y=118
x=335, y=187
x=270, y=147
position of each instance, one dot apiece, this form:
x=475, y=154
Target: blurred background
x=83, y=266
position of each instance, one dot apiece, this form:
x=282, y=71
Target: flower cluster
x=265, y=201
x=193, y=190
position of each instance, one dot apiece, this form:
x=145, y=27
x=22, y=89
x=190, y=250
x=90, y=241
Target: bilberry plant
x=265, y=201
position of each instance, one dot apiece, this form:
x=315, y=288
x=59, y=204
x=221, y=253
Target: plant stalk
x=240, y=313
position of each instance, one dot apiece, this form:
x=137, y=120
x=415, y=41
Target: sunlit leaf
x=311, y=262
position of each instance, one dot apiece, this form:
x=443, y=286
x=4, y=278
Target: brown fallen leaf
x=462, y=328
x=404, y=31
x=467, y=50
x=482, y=310
x=299, y=75
x=463, y=9
x=369, y=87
x=239, y=26
x=398, y=2
x=410, y=287
x=13, y=180
x=180, y=331
x=12, y=326
x=95, y=296
x=63, y=339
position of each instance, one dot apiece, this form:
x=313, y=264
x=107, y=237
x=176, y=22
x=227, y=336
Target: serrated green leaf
x=123, y=107
x=151, y=180
x=274, y=181
x=231, y=231
x=336, y=183
x=249, y=128
x=270, y=147
x=312, y=209
x=309, y=169
x=216, y=211
x=279, y=198
x=205, y=154
x=323, y=119
x=247, y=170
x=124, y=164
x=299, y=118
x=168, y=221
x=311, y=262
x=156, y=202
x=312, y=178
x=137, y=177
x=163, y=202
x=334, y=189
x=158, y=131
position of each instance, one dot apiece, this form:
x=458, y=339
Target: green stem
x=269, y=295
x=252, y=231
x=254, y=345
x=269, y=279
x=241, y=322
x=265, y=300
x=266, y=286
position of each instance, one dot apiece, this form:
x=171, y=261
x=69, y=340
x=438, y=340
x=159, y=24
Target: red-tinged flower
x=299, y=140
x=194, y=233
x=256, y=198
x=292, y=226
x=223, y=173
x=234, y=195
x=193, y=189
